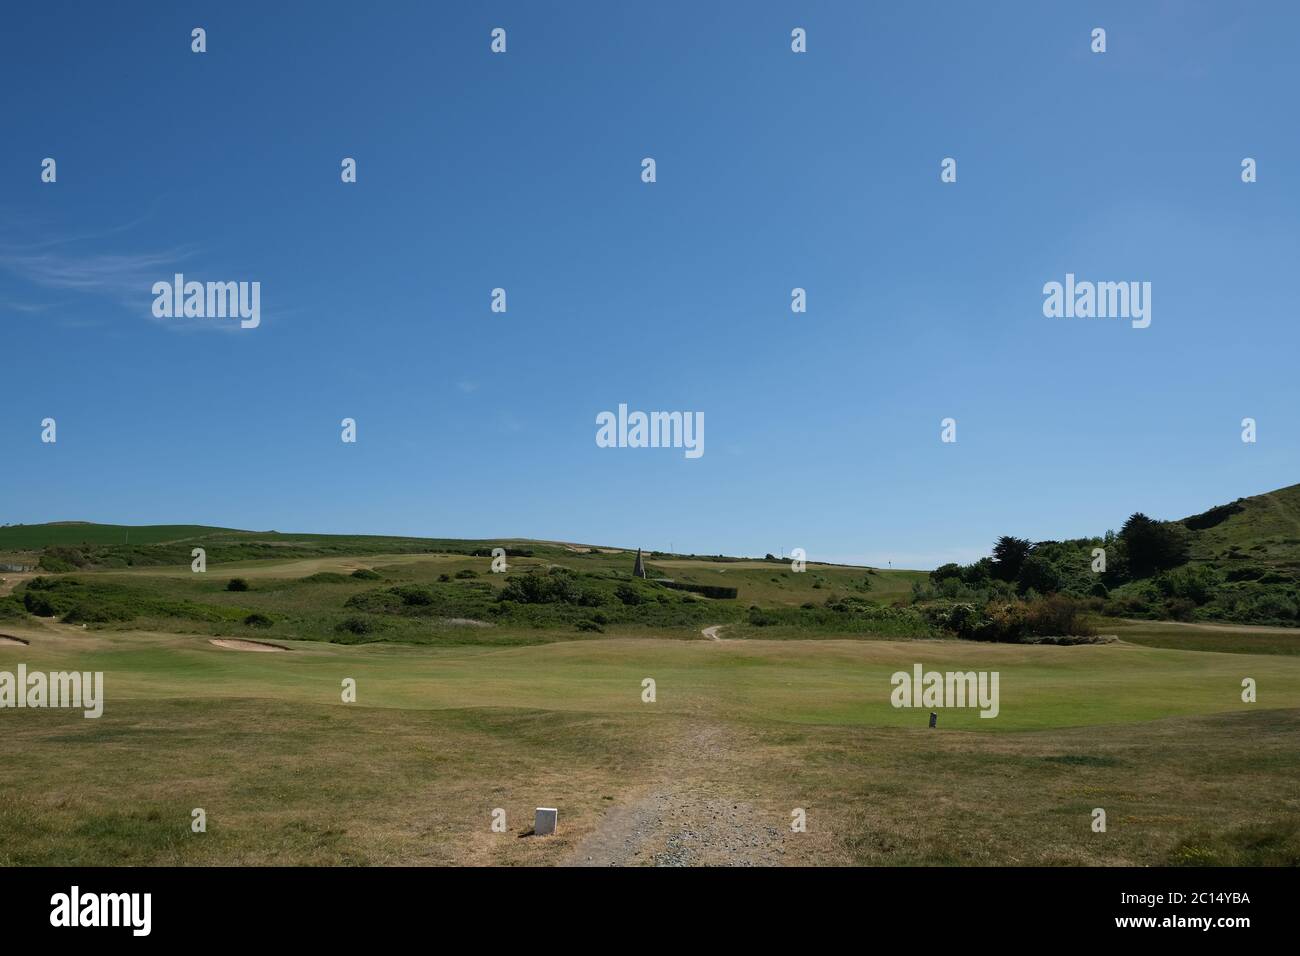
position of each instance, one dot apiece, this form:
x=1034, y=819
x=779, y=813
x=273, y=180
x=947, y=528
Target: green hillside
x=35, y=537
x=365, y=588
x=1264, y=530
x=1236, y=563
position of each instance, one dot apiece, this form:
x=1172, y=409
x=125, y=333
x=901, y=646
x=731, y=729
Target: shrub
x=236, y=584
x=1194, y=583
x=590, y=626
x=1002, y=622
x=365, y=574
x=38, y=604
x=628, y=594
x=258, y=619
x=945, y=571
x=1271, y=607
x=1057, y=616
x=466, y=573
x=83, y=614
x=414, y=595
x=1007, y=622
x=708, y=590
x=62, y=560
x=553, y=586
x=1126, y=605
x=1012, y=621
x=1037, y=574
x=355, y=625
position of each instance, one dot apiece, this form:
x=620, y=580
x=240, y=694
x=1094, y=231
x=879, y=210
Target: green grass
x=1206, y=637
x=440, y=736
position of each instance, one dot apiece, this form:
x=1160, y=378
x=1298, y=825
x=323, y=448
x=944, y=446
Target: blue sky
x=774, y=170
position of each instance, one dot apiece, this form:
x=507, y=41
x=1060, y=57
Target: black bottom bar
x=336, y=905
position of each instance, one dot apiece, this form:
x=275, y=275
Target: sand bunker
x=232, y=644
x=464, y=622
x=10, y=639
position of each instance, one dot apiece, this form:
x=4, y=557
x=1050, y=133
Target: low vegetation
x=1237, y=563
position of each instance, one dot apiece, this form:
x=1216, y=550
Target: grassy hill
x=1243, y=565
x=353, y=589
x=1235, y=563
x=36, y=537
x=1264, y=530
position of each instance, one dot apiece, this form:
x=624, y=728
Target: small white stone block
x=545, y=820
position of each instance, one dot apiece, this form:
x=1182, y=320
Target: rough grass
x=439, y=737
x=1207, y=637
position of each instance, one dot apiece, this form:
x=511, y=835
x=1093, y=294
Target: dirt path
x=687, y=817
x=677, y=826
x=11, y=579
x=712, y=632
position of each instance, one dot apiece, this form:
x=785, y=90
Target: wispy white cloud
x=54, y=262
x=127, y=277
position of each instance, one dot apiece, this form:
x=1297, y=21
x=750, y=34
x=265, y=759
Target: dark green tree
x=1152, y=546
x=1037, y=574
x=1008, y=554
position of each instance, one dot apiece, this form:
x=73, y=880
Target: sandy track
x=11, y=579
x=233, y=644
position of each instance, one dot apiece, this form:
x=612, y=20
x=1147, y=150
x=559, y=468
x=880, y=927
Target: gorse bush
x=1057, y=616
x=356, y=625
x=628, y=594
x=1012, y=621
x=1194, y=583
x=552, y=586
x=39, y=604
x=11, y=607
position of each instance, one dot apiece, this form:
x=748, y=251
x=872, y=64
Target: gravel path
x=681, y=822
